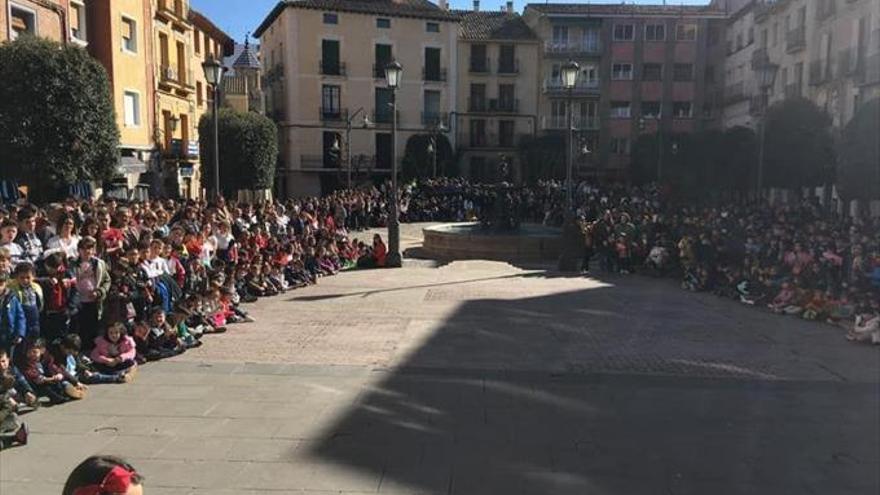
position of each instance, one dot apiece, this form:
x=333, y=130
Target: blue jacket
x=12, y=320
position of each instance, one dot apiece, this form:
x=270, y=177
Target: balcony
x=379, y=70
x=554, y=85
x=332, y=68
x=433, y=119
x=820, y=72
x=504, y=105
x=434, y=75
x=735, y=93
x=793, y=91
x=871, y=73
x=333, y=114
x=850, y=62
x=796, y=39
x=572, y=48
x=479, y=141
x=508, y=67
x=760, y=58
x=477, y=105
x=756, y=105
x=578, y=122
x=173, y=78
x=384, y=116
x=183, y=149
x=479, y=66
x=175, y=12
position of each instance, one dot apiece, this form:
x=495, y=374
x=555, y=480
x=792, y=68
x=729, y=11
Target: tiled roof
x=247, y=59
x=493, y=26
x=397, y=8
x=623, y=9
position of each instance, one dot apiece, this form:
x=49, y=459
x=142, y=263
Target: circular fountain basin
x=531, y=242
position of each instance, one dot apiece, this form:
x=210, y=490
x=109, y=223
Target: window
x=651, y=109
x=478, y=98
x=507, y=98
x=479, y=61
x=624, y=32
x=591, y=40
x=619, y=146
x=765, y=37
x=330, y=62
x=505, y=133
x=78, y=21
x=751, y=35
x=775, y=36
x=621, y=72
x=507, y=59
x=433, y=72
x=478, y=132
x=22, y=21
x=652, y=72
x=683, y=72
x=431, y=101
x=197, y=41
x=655, y=32
x=131, y=108
x=383, y=23
x=382, y=57
x=330, y=101
x=560, y=35
x=382, y=102
x=710, y=74
x=686, y=32
x=129, y=35
x=331, y=18
x=620, y=110
x=199, y=100
x=432, y=27
x=682, y=110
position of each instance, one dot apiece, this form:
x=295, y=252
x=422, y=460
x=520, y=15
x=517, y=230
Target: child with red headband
x=101, y=474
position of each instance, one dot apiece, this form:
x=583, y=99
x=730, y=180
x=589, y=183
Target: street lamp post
x=570, y=232
x=766, y=78
x=434, y=145
x=393, y=74
x=213, y=76
x=348, y=126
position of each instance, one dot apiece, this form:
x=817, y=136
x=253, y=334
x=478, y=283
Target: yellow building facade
x=117, y=33
x=182, y=40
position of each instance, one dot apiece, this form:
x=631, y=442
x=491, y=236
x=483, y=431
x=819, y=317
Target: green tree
x=57, y=123
x=798, y=148
x=417, y=163
x=542, y=157
x=858, y=172
x=739, y=158
x=248, y=150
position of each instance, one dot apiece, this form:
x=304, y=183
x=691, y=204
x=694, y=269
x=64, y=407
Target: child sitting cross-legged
x=165, y=336
x=12, y=428
x=47, y=380
x=68, y=351
x=115, y=353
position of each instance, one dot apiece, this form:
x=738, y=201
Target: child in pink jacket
x=115, y=352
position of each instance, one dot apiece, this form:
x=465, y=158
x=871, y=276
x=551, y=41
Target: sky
x=239, y=17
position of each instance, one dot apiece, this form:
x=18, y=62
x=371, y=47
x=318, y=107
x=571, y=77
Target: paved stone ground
x=485, y=378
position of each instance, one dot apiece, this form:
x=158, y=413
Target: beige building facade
x=826, y=50
x=497, y=103
x=324, y=63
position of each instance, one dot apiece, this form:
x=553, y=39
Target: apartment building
x=744, y=54
x=53, y=19
x=182, y=95
x=825, y=50
x=498, y=91
x=325, y=64
x=649, y=64
x=117, y=34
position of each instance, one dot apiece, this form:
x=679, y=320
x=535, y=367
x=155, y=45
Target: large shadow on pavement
x=618, y=390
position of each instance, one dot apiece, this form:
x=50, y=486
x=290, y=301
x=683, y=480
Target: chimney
x=476, y=5
x=443, y=5
x=509, y=7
